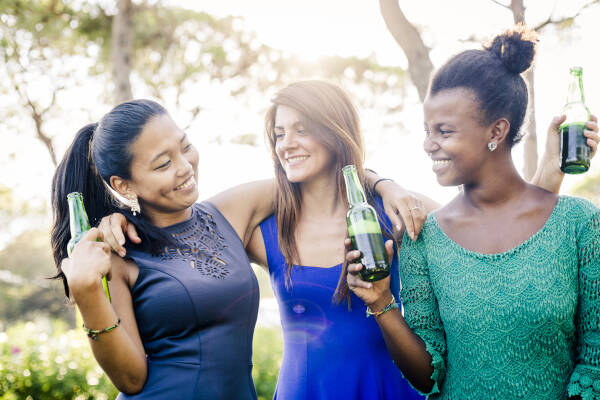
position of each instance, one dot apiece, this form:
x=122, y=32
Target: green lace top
x=522, y=324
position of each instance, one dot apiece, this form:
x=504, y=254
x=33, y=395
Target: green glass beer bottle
x=364, y=230
x=574, y=151
x=79, y=225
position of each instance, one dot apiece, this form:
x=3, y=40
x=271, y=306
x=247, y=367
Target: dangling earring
x=492, y=146
x=135, y=204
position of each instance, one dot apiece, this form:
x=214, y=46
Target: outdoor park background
x=215, y=65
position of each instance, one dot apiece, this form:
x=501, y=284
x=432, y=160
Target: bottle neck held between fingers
x=354, y=190
x=78, y=219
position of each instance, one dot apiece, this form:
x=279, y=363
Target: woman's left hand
x=403, y=208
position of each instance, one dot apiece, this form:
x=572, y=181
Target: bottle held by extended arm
x=574, y=151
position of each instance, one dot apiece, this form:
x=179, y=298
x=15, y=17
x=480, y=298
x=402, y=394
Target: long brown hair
x=329, y=115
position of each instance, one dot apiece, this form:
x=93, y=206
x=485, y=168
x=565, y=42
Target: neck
x=320, y=198
x=163, y=219
x=498, y=184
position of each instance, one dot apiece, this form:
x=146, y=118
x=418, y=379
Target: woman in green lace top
x=501, y=290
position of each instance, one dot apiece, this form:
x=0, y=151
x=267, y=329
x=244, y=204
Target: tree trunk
x=530, y=154
x=420, y=66
x=122, y=50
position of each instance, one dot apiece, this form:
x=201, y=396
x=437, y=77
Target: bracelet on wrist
x=93, y=333
x=390, y=306
x=378, y=181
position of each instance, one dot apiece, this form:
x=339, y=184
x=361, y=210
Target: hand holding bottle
x=87, y=265
x=375, y=294
x=552, y=151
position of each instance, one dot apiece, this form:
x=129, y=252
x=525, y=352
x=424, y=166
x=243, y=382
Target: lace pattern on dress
x=201, y=245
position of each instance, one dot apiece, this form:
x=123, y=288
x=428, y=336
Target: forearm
x=548, y=174
x=406, y=348
x=115, y=351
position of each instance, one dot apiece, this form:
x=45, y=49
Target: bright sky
x=352, y=27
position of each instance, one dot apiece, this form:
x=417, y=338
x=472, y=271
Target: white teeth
x=297, y=158
x=186, y=184
x=440, y=163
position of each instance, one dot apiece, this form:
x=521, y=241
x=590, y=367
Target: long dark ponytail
x=99, y=151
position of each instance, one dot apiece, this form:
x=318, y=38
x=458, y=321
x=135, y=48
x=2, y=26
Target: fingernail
x=398, y=227
x=122, y=253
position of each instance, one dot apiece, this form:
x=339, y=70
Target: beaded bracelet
x=391, y=305
x=380, y=180
x=93, y=333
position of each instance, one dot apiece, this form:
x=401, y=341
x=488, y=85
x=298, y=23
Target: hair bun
x=515, y=47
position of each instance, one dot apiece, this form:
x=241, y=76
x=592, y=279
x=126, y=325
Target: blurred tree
x=122, y=50
x=420, y=66
x=25, y=291
x=52, y=47
x=589, y=188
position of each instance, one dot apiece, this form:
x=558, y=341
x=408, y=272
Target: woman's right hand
x=88, y=264
x=376, y=294
x=113, y=227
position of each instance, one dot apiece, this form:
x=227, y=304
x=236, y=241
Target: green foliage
x=267, y=350
x=45, y=361
x=25, y=292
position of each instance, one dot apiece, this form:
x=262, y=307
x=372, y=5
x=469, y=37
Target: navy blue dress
x=196, y=305
x=329, y=352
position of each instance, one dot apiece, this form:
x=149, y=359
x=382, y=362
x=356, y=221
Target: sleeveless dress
x=329, y=352
x=521, y=324
x=196, y=305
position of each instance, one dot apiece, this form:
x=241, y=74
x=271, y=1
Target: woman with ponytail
x=185, y=300
x=500, y=290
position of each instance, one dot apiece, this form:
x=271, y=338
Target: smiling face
x=302, y=156
x=164, y=170
x=455, y=139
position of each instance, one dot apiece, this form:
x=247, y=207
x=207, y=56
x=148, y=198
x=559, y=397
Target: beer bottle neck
x=78, y=220
x=575, y=93
x=354, y=189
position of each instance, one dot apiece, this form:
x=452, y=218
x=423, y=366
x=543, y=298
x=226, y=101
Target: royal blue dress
x=330, y=352
x=195, y=305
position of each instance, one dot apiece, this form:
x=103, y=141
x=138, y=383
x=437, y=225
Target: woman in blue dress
x=331, y=351
x=184, y=302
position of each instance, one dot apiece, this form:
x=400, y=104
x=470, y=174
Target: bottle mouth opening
x=349, y=168
x=73, y=195
x=575, y=69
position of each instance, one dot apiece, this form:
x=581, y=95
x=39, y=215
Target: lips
x=295, y=159
x=440, y=164
x=186, y=184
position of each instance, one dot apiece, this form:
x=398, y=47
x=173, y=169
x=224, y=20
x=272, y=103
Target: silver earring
x=492, y=146
x=135, y=204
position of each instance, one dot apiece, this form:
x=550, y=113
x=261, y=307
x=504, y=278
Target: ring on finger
x=413, y=208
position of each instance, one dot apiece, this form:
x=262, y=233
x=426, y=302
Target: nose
x=287, y=141
x=430, y=145
x=184, y=166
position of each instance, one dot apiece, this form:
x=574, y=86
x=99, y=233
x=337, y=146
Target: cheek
x=279, y=152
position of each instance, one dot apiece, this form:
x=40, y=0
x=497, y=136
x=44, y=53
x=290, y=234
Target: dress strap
x=270, y=232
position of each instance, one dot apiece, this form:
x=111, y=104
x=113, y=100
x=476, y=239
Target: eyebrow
x=294, y=125
x=167, y=151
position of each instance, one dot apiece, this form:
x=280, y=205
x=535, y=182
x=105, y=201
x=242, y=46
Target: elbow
x=132, y=383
